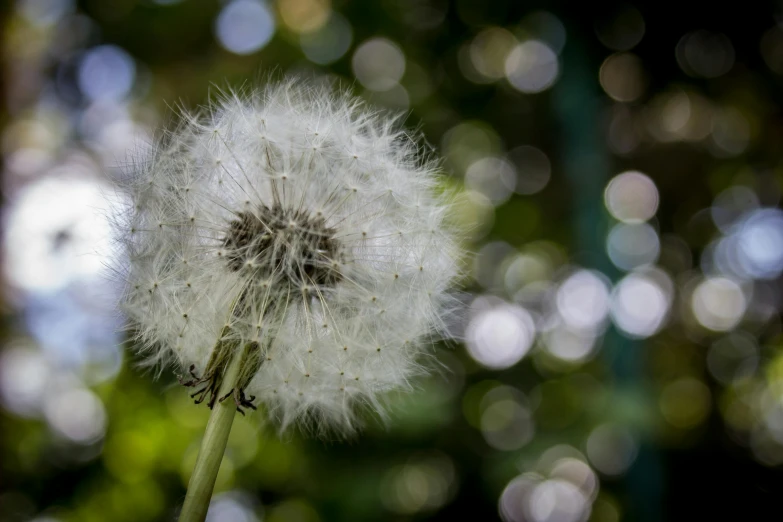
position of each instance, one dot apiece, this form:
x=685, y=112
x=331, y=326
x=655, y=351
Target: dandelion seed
x=301, y=210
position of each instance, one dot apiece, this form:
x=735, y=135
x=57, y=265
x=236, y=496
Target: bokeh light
x=513, y=500
x=244, y=26
x=506, y=419
x=545, y=26
x=485, y=267
x=611, y=449
x=499, y=334
x=496, y=178
x=558, y=500
x=532, y=67
x=378, y=64
x=106, y=72
x=562, y=488
x=76, y=414
x=760, y=241
x=24, y=376
x=330, y=42
x=621, y=29
x=729, y=206
x=425, y=483
x=469, y=141
x=632, y=245
x=235, y=506
x=631, y=197
x=679, y=115
x=583, y=300
x=47, y=250
x=304, y=16
x=570, y=345
x=641, y=303
x=525, y=269
x=733, y=358
x=45, y=12
x=771, y=47
x=533, y=167
x=488, y=52
x=622, y=77
x=705, y=54
x=475, y=211
x=718, y=303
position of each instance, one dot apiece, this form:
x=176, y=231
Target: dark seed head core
x=286, y=243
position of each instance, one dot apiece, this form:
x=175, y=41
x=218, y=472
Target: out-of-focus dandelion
x=288, y=246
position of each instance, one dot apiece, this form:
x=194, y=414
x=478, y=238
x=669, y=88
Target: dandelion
x=288, y=247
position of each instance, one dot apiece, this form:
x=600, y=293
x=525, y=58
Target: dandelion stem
x=202, y=481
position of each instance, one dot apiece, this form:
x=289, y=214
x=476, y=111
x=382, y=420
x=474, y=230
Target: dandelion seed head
x=295, y=223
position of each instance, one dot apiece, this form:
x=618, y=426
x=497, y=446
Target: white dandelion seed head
x=294, y=222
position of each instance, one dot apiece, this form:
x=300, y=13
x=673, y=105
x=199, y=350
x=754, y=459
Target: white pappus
x=294, y=227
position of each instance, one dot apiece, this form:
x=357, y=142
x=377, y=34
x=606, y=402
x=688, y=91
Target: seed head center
x=283, y=244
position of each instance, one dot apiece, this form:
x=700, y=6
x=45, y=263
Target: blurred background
x=618, y=169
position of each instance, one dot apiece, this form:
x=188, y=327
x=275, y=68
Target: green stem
x=202, y=481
